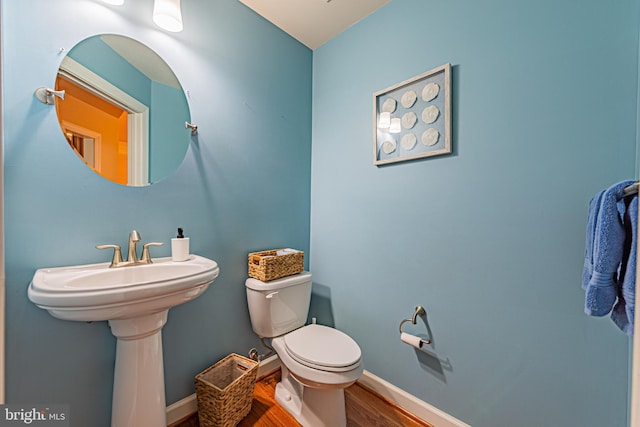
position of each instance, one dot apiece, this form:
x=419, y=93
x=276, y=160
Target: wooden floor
x=364, y=409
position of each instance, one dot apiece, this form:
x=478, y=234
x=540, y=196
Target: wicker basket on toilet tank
x=275, y=263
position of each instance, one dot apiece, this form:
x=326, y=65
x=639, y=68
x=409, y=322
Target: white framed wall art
x=412, y=119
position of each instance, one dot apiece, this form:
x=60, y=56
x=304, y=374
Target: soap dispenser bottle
x=180, y=247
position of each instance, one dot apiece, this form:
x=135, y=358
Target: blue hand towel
x=594, y=208
x=623, y=312
x=608, y=248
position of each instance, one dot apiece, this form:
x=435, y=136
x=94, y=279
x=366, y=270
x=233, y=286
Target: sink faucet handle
x=117, y=254
x=146, y=258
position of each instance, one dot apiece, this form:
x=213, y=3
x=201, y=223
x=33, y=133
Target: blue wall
x=244, y=186
x=490, y=239
x=169, y=112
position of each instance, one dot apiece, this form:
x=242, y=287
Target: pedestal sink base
x=138, y=386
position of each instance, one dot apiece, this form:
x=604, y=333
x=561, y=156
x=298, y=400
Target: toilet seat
x=323, y=348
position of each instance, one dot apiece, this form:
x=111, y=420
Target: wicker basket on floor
x=225, y=391
x=268, y=265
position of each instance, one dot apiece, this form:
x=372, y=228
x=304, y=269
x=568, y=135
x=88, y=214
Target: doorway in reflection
x=96, y=130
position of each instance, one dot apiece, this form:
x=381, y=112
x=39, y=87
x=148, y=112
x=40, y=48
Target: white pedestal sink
x=135, y=300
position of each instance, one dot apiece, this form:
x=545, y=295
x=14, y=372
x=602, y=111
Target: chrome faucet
x=132, y=256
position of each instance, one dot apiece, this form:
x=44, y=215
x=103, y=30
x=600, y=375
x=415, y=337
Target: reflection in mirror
x=124, y=110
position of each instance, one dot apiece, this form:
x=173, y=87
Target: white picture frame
x=421, y=107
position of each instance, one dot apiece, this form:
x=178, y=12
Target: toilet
x=317, y=362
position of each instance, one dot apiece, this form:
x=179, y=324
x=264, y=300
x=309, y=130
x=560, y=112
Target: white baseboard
x=404, y=400
x=182, y=409
x=409, y=402
x=189, y=405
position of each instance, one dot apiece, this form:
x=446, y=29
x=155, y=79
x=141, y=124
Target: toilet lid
x=322, y=347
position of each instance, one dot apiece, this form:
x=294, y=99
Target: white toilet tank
x=278, y=306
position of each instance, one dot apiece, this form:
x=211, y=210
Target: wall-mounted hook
x=194, y=128
x=46, y=95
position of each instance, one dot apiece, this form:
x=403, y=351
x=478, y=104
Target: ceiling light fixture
x=167, y=15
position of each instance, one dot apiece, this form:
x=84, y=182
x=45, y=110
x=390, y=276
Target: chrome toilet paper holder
x=420, y=311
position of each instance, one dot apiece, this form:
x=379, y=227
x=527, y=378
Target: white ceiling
x=313, y=22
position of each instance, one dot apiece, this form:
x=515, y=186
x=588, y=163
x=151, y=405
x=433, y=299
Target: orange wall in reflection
x=87, y=111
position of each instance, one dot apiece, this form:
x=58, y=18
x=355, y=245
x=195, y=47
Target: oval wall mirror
x=124, y=111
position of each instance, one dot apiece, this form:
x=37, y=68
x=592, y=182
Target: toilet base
x=310, y=406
